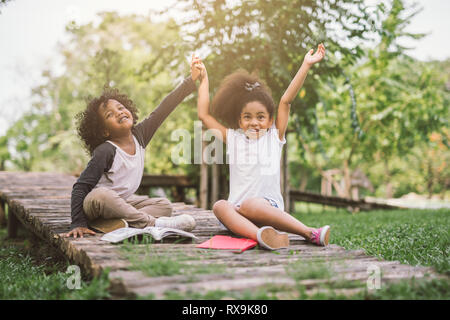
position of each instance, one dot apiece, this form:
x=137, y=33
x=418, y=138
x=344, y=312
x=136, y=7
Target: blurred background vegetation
x=368, y=106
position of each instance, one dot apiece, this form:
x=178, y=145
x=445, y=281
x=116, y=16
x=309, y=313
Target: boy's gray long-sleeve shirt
x=104, y=155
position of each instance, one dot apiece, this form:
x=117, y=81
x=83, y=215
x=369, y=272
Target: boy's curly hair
x=90, y=125
x=235, y=92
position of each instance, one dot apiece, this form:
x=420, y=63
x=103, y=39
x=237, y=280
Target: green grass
x=320, y=270
x=267, y=292
x=414, y=289
x=408, y=289
x=30, y=271
x=301, y=270
x=414, y=237
x=152, y=263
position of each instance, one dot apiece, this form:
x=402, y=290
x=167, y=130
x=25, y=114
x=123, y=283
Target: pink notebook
x=228, y=243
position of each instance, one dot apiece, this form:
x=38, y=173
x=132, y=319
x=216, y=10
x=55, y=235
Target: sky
x=30, y=31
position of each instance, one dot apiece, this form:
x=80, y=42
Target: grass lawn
x=414, y=237
x=31, y=270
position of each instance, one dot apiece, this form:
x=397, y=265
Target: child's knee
x=220, y=207
x=166, y=207
x=94, y=199
x=97, y=194
x=159, y=207
x=100, y=194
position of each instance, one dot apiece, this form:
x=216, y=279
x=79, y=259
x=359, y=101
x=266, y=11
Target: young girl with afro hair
x=254, y=139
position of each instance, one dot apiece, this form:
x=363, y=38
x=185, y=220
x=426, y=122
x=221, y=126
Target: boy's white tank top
x=254, y=166
x=125, y=174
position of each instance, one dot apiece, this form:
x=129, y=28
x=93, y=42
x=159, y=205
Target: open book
x=157, y=233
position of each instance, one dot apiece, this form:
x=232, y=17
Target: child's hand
x=311, y=58
x=195, y=70
x=203, y=74
x=80, y=231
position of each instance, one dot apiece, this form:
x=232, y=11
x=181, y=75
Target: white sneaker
x=271, y=239
x=182, y=222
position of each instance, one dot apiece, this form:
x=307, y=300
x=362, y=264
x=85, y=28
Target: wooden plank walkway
x=41, y=202
x=339, y=202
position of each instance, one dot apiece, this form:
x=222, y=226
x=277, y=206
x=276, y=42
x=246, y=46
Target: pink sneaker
x=320, y=236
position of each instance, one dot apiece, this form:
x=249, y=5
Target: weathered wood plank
x=310, y=197
x=3, y=221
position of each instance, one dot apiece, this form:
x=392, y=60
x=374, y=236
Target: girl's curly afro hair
x=89, y=123
x=233, y=94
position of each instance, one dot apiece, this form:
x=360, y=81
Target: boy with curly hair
x=103, y=197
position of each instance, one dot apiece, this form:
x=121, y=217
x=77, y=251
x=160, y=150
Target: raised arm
x=147, y=127
x=295, y=85
x=203, y=106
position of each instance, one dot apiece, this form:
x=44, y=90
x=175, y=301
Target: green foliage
x=32, y=270
x=128, y=52
x=24, y=279
x=398, y=112
x=272, y=37
x=379, y=110
x=4, y=152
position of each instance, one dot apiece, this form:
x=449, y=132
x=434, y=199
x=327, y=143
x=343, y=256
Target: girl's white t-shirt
x=254, y=166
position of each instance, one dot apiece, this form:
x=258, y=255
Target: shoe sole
x=107, y=225
x=271, y=239
x=325, y=236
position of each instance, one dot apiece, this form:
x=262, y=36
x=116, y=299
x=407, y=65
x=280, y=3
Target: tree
x=128, y=52
x=4, y=152
x=400, y=102
x=272, y=37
